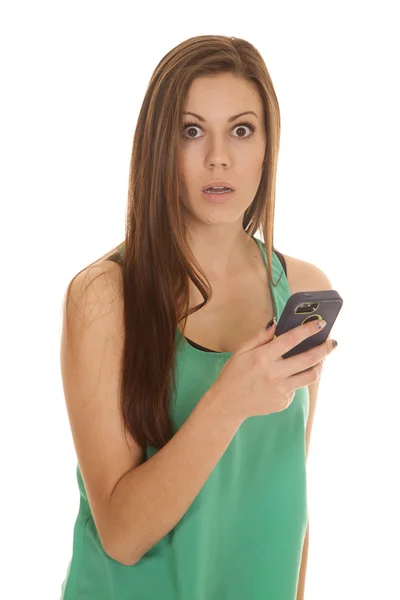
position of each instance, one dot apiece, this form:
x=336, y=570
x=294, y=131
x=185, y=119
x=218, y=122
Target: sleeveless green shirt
x=242, y=536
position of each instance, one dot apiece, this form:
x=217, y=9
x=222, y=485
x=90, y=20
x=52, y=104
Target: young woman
x=191, y=431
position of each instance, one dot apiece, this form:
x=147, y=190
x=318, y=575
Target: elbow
x=120, y=557
x=116, y=545
x=117, y=550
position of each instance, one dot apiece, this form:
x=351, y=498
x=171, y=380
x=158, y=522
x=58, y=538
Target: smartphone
x=303, y=307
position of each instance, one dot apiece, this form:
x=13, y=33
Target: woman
x=182, y=495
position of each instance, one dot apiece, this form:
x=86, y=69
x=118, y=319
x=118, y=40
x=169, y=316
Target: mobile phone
x=303, y=307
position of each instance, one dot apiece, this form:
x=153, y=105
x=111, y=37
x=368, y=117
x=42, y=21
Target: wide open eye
x=193, y=125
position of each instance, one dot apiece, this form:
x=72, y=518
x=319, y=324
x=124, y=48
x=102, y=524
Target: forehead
x=221, y=96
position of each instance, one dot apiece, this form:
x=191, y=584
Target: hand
x=256, y=380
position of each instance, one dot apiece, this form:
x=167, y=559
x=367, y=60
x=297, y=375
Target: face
x=219, y=149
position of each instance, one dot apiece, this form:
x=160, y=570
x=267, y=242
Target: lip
x=218, y=184
x=218, y=198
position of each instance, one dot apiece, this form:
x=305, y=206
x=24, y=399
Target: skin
x=218, y=150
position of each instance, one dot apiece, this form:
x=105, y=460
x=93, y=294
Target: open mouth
x=218, y=190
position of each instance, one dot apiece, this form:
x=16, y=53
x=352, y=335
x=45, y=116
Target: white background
x=73, y=77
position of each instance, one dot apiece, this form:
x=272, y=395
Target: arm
x=149, y=500
x=134, y=503
x=313, y=394
x=303, y=568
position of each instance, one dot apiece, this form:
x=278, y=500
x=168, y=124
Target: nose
x=217, y=164
x=217, y=155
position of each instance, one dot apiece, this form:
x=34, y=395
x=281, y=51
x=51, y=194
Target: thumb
x=263, y=336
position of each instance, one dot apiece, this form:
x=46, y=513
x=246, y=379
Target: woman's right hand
x=256, y=380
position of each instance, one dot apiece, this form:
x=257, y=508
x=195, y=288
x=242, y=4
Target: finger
x=304, y=361
x=288, y=340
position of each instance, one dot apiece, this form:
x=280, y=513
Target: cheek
x=189, y=153
x=188, y=166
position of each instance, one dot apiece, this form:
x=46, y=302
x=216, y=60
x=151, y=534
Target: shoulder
x=94, y=292
x=102, y=275
x=305, y=276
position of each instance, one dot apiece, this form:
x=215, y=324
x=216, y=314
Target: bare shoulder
x=305, y=276
x=104, y=274
x=95, y=291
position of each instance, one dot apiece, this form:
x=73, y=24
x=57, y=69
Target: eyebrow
x=248, y=112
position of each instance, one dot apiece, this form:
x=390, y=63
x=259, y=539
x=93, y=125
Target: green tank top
x=242, y=536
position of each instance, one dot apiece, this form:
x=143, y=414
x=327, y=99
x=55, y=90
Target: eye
x=192, y=125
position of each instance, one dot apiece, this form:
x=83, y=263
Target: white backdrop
x=73, y=76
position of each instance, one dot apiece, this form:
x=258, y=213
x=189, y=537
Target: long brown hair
x=156, y=260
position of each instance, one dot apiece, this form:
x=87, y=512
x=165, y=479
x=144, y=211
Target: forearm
x=150, y=500
x=303, y=568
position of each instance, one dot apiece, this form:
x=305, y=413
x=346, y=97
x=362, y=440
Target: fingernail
x=270, y=323
x=334, y=343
